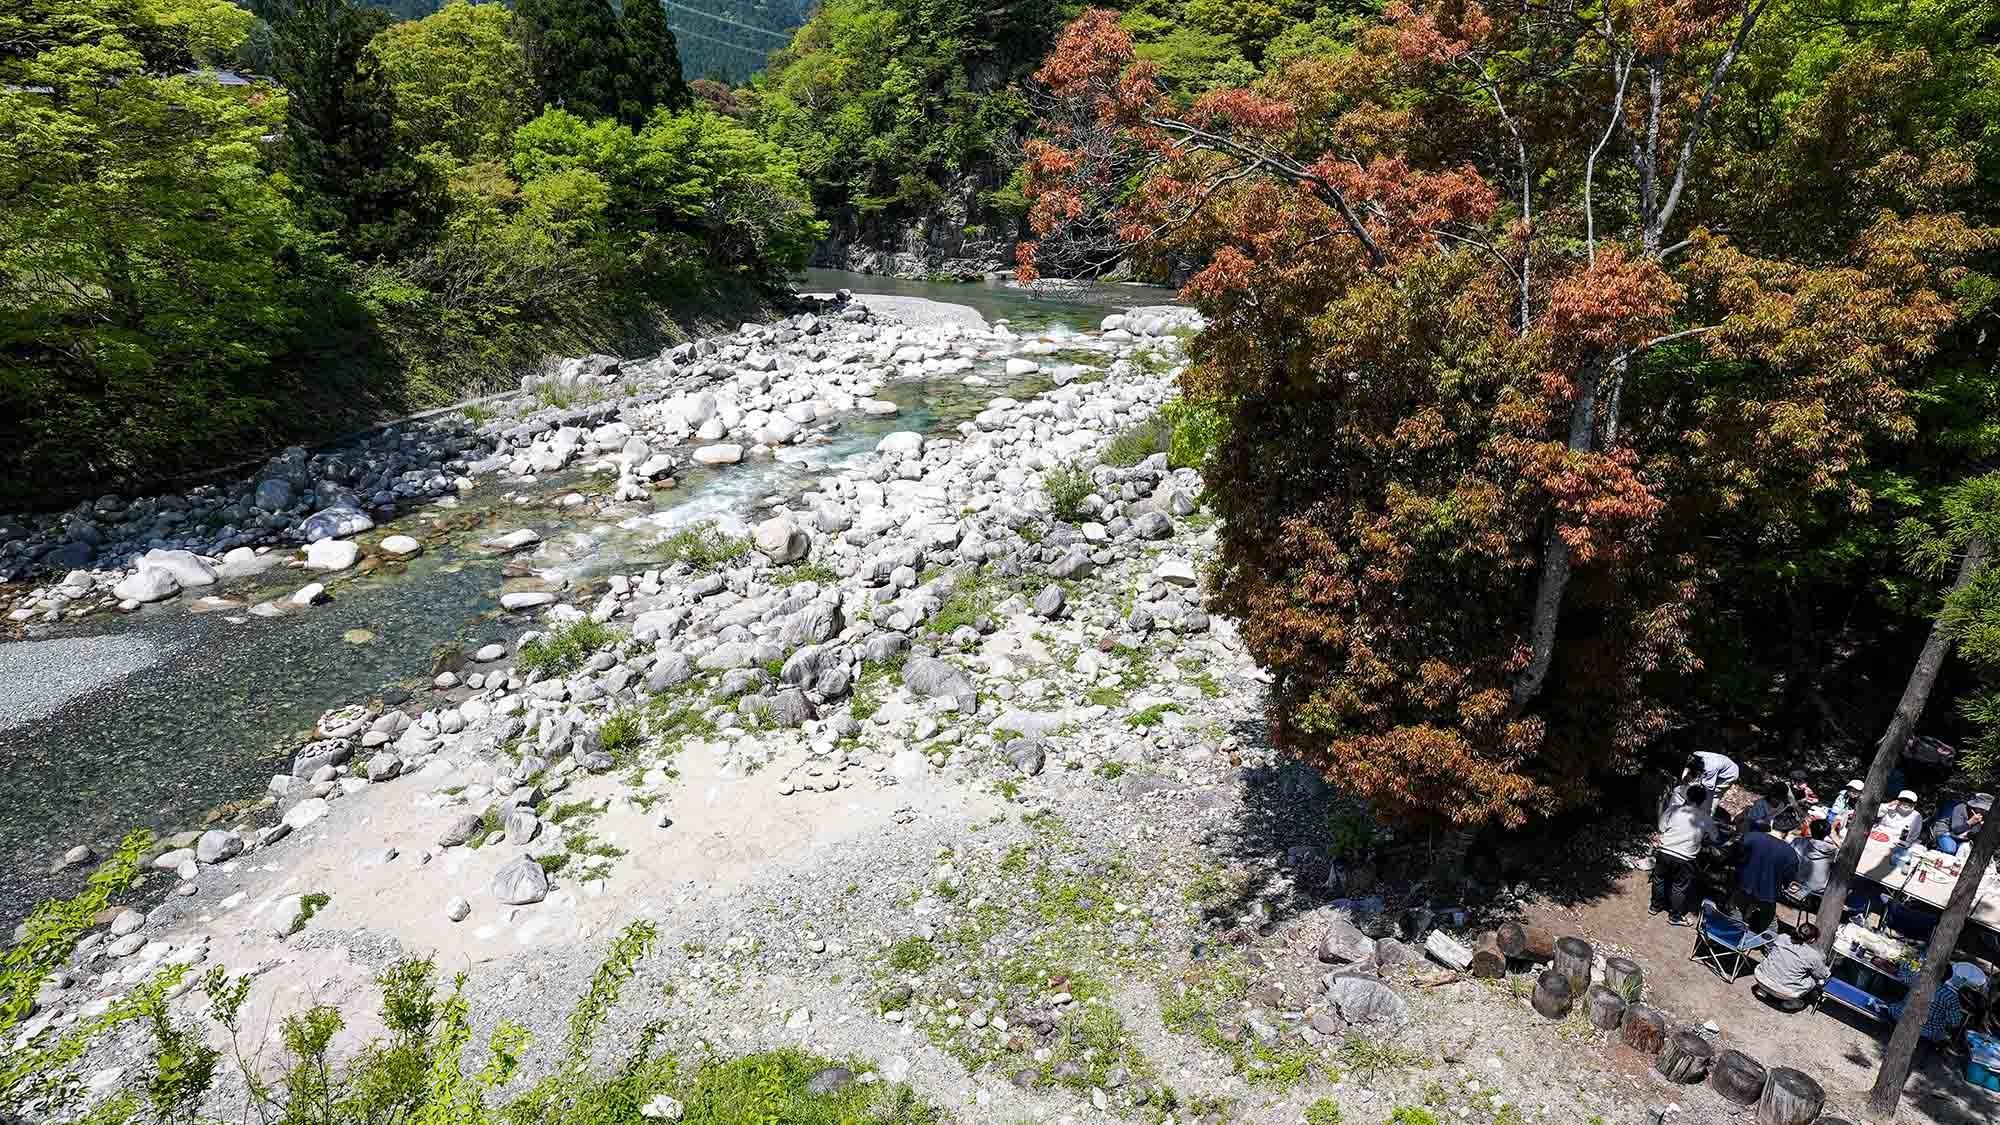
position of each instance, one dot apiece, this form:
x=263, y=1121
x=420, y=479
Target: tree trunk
x=1644, y=1029
x=1902, y=1046
x=1916, y=693
x=1553, y=997
x=1685, y=1058
x=1488, y=962
x=1623, y=976
x=1737, y=1077
x=1573, y=960
x=1607, y=1008
x=1790, y=1098
x=1529, y=943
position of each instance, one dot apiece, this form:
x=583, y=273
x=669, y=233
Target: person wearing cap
x=1959, y=821
x=1901, y=821
x=1845, y=800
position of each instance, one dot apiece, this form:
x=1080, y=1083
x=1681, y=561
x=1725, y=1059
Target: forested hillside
x=392, y=215
x=723, y=40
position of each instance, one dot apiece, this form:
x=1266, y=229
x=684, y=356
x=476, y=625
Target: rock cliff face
x=958, y=240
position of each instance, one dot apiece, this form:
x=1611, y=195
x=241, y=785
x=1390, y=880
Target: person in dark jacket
x=1764, y=863
x=1959, y=822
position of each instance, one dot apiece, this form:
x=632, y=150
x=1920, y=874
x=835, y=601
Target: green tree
x=576, y=54
x=653, y=62
x=143, y=253
x=349, y=175
x=458, y=78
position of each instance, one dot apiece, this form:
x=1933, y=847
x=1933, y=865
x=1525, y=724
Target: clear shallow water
x=226, y=701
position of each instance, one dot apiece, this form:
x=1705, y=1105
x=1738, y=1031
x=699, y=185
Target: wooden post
x=1528, y=943
x=1791, y=1097
x=1644, y=1028
x=1737, y=1077
x=1607, y=1008
x=1685, y=1058
x=1573, y=960
x=1623, y=976
x=1553, y=997
x=1488, y=962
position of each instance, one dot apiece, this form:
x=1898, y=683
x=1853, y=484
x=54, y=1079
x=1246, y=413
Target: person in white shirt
x=1716, y=772
x=1684, y=826
x=1901, y=821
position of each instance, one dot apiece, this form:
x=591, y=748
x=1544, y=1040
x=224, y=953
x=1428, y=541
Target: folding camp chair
x=1718, y=937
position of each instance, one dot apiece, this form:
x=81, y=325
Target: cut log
x=1488, y=961
x=1607, y=1008
x=1737, y=1077
x=1553, y=997
x=1529, y=943
x=1685, y=1058
x=1448, y=951
x=1573, y=958
x=1622, y=975
x=1791, y=1097
x=1644, y=1028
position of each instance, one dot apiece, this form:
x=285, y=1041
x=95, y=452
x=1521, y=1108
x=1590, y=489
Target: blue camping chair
x=1912, y=922
x=1719, y=938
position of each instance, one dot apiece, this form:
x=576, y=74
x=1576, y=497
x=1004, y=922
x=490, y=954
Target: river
x=164, y=718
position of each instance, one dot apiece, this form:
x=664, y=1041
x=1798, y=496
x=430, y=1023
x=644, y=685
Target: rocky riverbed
x=909, y=765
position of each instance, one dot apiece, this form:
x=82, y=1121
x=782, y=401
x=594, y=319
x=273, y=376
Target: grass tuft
x=565, y=648
x=1067, y=486
x=704, y=547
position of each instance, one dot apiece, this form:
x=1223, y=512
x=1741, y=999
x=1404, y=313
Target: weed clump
x=1067, y=486
x=704, y=547
x=564, y=649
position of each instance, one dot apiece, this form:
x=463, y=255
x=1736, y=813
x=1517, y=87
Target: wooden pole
x=1644, y=1028
x=1573, y=960
x=1791, y=1097
x=1623, y=976
x=1737, y=1077
x=1527, y=943
x=1685, y=1058
x=1488, y=962
x=1902, y=1048
x=1553, y=997
x=1607, y=1008
x=1916, y=693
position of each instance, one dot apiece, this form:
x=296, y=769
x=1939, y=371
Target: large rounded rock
x=187, y=568
x=459, y=830
x=305, y=813
x=216, y=846
x=147, y=584
x=273, y=494
x=402, y=546
x=901, y=443
x=782, y=541
x=332, y=554
x=337, y=522
x=924, y=675
x=521, y=882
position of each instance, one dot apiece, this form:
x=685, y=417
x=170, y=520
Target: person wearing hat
x=1901, y=821
x=1841, y=816
x=1959, y=821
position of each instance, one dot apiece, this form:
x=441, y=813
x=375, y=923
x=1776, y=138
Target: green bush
x=565, y=648
x=1198, y=428
x=1325, y=1111
x=1139, y=441
x=704, y=547
x=1066, y=487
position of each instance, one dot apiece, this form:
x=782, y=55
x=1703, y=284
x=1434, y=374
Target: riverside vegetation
x=1549, y=355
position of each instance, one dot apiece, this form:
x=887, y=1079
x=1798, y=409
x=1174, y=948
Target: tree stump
x=1622, y=975
x=1737, y=1077
x=1607, y=1008
x=1791, y=1097
x=1488, y=961
x=1573, y=958
x=1553, y=997
x=1528, y=943
x=1644, y=1029
x=1685, y=1058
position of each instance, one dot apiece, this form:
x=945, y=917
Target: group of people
x=1787, y=849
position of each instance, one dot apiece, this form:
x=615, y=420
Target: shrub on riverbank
x=564, y=649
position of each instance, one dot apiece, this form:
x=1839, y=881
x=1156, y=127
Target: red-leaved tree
x=1486, y=360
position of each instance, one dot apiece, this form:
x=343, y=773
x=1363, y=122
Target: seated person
x=1792, y=969
x=1764, y=864
x=1901, y=821
x=1959, y=822
x=1946, y=1017
x=1845, y=800
x=1816, y=854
